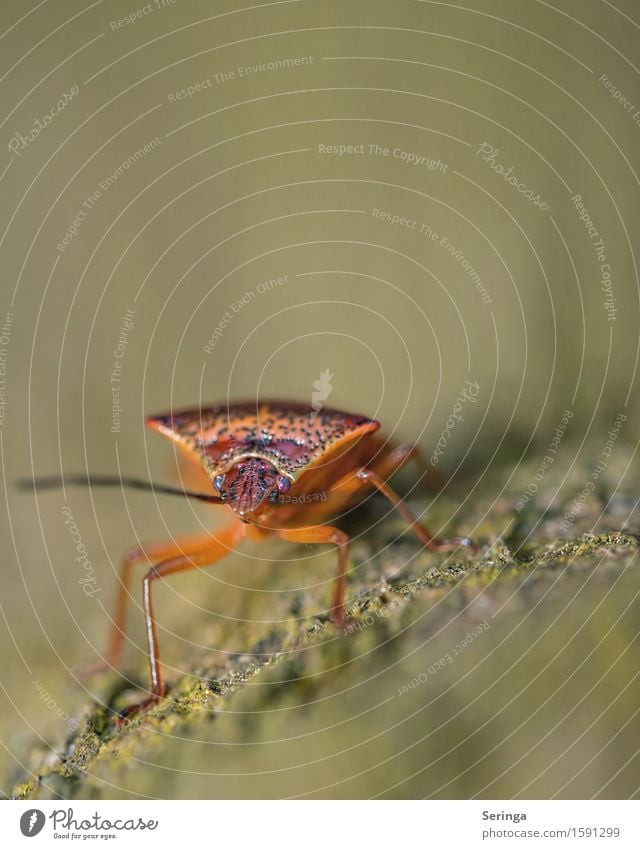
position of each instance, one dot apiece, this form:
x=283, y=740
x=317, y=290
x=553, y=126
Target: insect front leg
x=328, y=534
x=219, y=545
x=149, y=553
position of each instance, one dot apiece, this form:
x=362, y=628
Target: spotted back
x=293, y=437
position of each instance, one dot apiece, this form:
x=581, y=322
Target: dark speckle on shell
x=292, y=436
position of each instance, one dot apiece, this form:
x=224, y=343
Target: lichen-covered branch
x=100, y=740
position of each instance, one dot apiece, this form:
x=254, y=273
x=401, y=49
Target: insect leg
x=150, y=553
x=391, y=462
x=324, y=534
x=422, y=533
x=384, y=465
x=218, y=546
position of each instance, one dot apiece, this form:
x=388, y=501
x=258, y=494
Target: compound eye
x=217, y=482
x=283, y=483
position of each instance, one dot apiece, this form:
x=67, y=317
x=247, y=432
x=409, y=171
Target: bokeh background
x=235, y=199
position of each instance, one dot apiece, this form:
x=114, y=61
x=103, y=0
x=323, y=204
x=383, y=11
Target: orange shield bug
x=280, y=468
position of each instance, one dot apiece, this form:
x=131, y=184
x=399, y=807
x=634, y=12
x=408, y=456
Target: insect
x=280, y=468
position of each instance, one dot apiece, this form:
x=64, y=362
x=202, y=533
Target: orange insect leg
x=150, y=553
x=327, y=534
x=215, y=549
x=368, y=476
x=350, y=484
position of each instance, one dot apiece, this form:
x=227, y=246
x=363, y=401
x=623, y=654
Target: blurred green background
x=212, y=147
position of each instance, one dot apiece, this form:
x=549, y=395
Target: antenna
x=59, y=481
